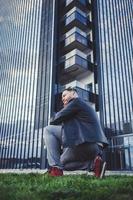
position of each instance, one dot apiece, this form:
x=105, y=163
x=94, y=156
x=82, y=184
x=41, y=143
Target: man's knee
x=47, y=133
x=48, y=129
x=52, y=130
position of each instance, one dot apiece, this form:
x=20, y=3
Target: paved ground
x=27, y=171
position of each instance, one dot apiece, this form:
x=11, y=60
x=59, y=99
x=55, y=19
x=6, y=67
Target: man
x=77, y=130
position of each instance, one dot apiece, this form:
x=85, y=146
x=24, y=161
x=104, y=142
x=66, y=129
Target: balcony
x=73, y=67
x=76, y=41
x=81, y=4
x=75, y=20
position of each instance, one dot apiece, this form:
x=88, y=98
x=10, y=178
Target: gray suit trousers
x=70, y=158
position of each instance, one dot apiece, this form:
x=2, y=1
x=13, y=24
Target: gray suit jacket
x=80, y=123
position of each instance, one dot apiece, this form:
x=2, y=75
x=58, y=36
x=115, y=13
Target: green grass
x=79, y=187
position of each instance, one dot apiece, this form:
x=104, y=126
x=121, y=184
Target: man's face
x=67, y=96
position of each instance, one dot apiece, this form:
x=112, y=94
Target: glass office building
x=115, y=61
x=26, y=66
x=47, y=45
x=44, y=47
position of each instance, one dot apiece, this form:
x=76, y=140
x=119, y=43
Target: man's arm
x=66, y=113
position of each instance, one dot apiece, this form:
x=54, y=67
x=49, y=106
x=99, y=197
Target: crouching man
x=77, y=130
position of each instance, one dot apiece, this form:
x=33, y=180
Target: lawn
x=74, y=187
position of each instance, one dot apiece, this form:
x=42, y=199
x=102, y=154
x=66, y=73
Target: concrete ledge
x=122, y=173
x=78, y=172
x=23, y=171
x=107, y=173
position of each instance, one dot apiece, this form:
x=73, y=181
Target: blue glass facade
x=26, y=66
x=115, y=70
x=45, y=45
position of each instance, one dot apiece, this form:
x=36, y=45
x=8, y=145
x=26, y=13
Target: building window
x=89, y=87
x=76, y=37
x=76, y=15
x=81, y=1
x=81, y=39
x=81, y=18
x=70, y=18
x=70, y=39
x=76, y=60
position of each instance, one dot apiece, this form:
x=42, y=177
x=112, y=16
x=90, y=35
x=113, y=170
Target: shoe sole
x=103, y=170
